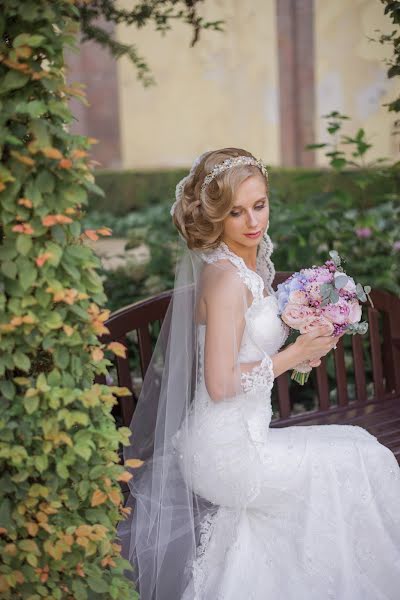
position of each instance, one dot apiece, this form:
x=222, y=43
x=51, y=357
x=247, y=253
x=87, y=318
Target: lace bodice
x=264, y=331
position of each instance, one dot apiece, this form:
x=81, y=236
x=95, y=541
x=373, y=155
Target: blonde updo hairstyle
x=200, y=220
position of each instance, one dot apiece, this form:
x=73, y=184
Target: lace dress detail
x=259, y=377
x=252, y=280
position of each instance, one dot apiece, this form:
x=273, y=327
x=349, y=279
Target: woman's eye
x=234, y=214
x=260, y=206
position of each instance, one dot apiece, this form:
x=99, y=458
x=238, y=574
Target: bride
x=225, y=507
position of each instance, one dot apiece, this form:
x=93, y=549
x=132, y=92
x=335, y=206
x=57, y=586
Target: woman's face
x=249, y=215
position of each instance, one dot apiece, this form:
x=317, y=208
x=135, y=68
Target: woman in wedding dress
x=225, y=507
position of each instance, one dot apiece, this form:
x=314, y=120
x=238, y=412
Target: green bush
x=59, y=496
x=127, y=191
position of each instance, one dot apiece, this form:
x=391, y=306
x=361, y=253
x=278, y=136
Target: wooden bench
x=373, y=361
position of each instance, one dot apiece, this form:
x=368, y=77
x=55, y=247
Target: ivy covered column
x=59, y=496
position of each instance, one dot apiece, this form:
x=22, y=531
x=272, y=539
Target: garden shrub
x=59, y=496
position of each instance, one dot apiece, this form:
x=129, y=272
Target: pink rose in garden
x=337, y=313
x=355, y=312
x=298, y=297
x=311, y=323
x=294, y=315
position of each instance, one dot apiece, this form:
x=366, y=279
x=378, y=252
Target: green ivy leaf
x=97, y=585
x=9, y=269
x=24, y=244
x=41, y=462
x=26, y=39
x=5, y=513
x=61, y=357
x=12, y=81
x=7, y=388
x=31, y=404
x=83, y=451
x=27, y=275
x=21, y=361
x=62, y=470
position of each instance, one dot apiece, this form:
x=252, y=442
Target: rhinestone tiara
x=228, y=163
x=232, y=162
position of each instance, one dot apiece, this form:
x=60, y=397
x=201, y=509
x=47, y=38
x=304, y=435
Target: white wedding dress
x=302, y=512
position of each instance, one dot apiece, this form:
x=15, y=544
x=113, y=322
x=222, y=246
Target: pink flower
x=363, y=232
x=314, y=291
x=323, y=275
x=313, y=322
x=294, y=315
x=354, y=312
x=337, y=313
x=396, y=245
x=298, y=297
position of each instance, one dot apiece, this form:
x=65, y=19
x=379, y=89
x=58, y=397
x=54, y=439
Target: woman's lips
x=253, y=235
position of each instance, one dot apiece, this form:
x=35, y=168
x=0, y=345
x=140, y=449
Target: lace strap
x=265, y=266
x=250, y=278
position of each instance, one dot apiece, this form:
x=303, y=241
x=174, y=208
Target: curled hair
x=200, y=217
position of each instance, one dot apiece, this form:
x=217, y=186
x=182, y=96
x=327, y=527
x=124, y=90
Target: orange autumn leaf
x=10, y=549
x=68, y=330
x=125, y=476
x=50, y=220
x=91, y=234
x=51, y=152
x=98, y=497
x=2, y=186
x=25, y=202
x=78, y=153
x=16, y=65
x=107, y=560
x=19, y=577
x=43, y=258
x=32, y=528
x=24, y=51
x=3, y=530
x=118, y=349
x=63, y=219
x=97, y=354
x=134, y=463
x=104, y=231
x=23, y=228
x=83, y=530
x=115, y=497
x=82, y=541
x=26, y=160
x=65, y=163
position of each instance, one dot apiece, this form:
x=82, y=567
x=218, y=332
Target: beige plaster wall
x=222, y=92
x=350, y=74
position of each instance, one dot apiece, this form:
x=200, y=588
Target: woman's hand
x=315, y=344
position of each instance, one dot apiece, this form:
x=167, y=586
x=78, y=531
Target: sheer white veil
x=161, y=536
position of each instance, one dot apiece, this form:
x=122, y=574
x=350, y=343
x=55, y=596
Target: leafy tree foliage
x=160, y=13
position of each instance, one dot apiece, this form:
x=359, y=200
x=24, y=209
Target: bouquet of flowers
x=322, y=296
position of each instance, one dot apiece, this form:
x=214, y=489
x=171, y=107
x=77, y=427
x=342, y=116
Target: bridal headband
x=219, y=168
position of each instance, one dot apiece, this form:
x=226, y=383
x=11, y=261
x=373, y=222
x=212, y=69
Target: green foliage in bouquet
x=59, y=496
